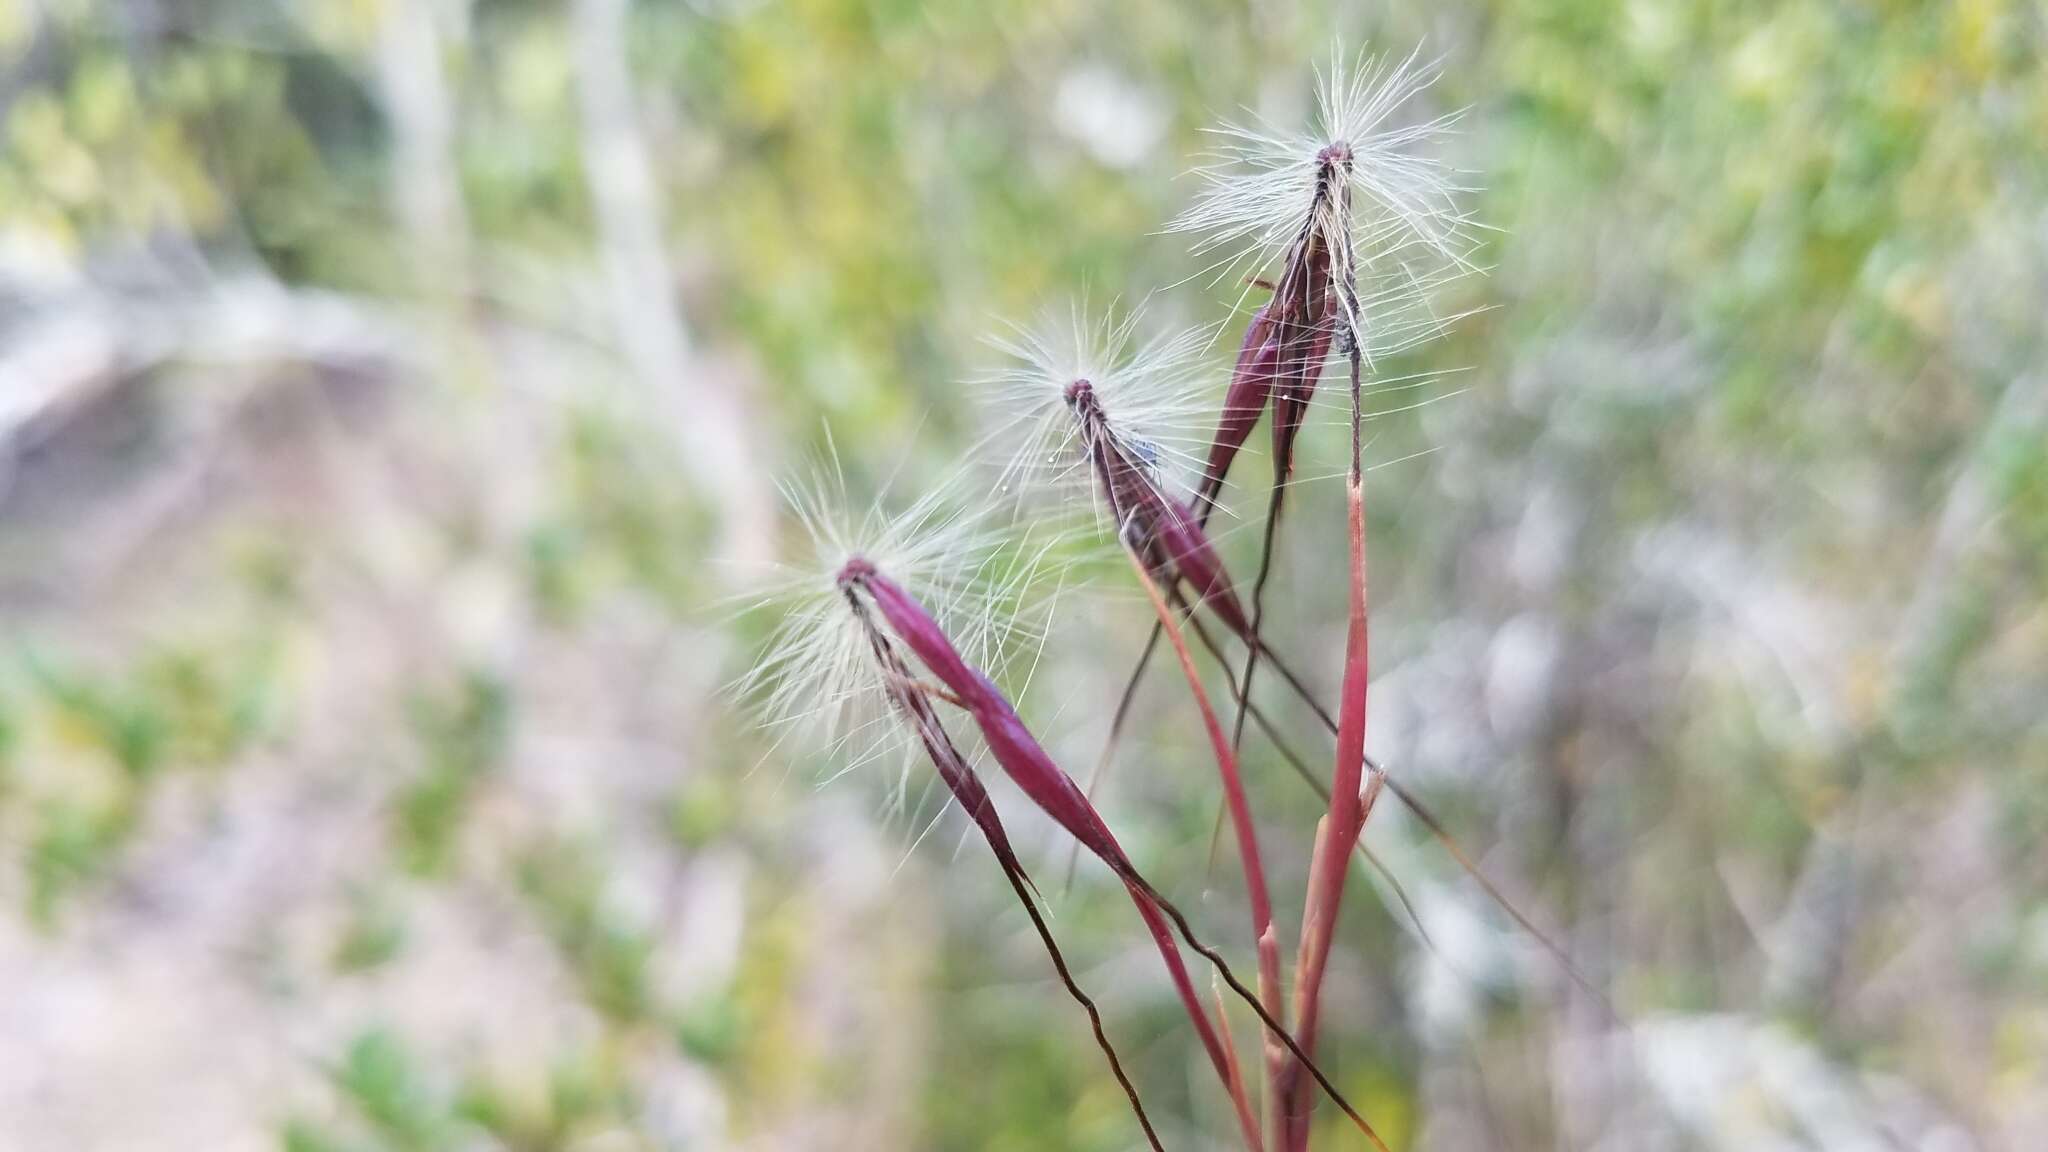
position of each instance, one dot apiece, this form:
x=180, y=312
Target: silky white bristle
x=817, y=683
x=1262, y=185
x=1151, y=390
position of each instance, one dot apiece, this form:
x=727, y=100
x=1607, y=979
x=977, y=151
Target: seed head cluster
x=894, y=625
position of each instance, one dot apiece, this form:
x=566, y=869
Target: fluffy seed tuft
x=1266, y=183
x=816, y=682
x=1148, y=394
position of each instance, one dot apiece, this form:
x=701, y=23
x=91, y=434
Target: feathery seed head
x=1357, y=183
x=1128, y=426
x=825, y=676
x=1080, y=384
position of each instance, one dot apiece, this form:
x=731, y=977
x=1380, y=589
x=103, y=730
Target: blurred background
x=392, y=396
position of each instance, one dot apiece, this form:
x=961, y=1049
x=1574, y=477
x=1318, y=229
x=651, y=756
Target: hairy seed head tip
x=815, y=682
x=1403, y=194
x=857, y=569
x=1076, y=375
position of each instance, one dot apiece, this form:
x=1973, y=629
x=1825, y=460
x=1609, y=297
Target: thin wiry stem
x=1280, y=1033
x=1443, y=836
x=1415, y=804
x=1322, y=792
x=1204, y=505
x=1116, y=727
x=912, y=700
x=1251, y=656
x=1234, y=796
x=1021, y=884
x=1406, y=795
x=1017, y=751
x=1117, y=721
x=1027, y=762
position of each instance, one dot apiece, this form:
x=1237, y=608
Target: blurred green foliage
x=610, y=959
x=104, y=744
x=460, y=740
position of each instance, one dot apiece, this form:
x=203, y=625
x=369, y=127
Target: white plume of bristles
x=1261, y=186
x=1156, y=402
x=816, y=683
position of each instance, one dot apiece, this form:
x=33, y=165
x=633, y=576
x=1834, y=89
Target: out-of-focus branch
x=425, y=184
x=709, y=424
x=74, y=360
x=89, y=339
x=2022, y=411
